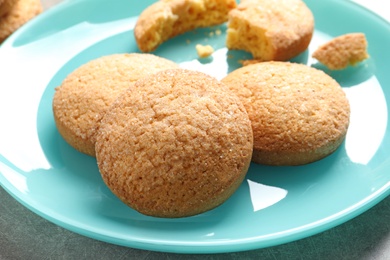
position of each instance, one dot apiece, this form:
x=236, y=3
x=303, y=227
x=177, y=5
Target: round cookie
x=6, y=5
x=270, y=29
x=175, y=144
x=87, y=92
x=168, y=18
x=20, y=13
x=299, y=114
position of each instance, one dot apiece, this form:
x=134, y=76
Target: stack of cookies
x=171, y=142
x=15, y=13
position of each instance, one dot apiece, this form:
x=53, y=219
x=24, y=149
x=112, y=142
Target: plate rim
x=205, y=247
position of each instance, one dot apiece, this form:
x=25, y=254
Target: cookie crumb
x=249, y=62
x=204, y=51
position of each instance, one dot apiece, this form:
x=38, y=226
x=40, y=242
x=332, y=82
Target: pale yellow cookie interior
x=168, y=18
x=270, y=29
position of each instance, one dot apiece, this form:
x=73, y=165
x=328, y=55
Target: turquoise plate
x=274, y=205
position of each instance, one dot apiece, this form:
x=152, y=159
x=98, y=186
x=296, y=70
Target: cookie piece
x=176, y=144
x=270, y=29
x=86, y=93
x=299, y=114
x=20, y=13
x=168, y=18
x=204, y=51
x=6, y=5
x=342, y=51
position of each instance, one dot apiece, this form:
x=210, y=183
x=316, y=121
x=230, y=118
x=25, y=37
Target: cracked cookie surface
x=176, y=144
x=85, y=94
x=299, y=114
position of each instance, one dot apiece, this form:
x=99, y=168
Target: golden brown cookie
x=20, y=13
x=299, y=114
x=168, y=18
x=270, y=29
x=176, y=144
x=86, y=93
x=342, y=51
x=6, y=5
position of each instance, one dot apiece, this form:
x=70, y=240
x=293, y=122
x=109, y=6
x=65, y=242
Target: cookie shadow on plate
x=298, y=177
x=352, y=75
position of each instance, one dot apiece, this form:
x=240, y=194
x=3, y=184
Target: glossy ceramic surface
x=274, y=205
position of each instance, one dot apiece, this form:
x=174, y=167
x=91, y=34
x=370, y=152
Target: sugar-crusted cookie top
x=293, y=108
x=86, y=93
x=175, y=144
